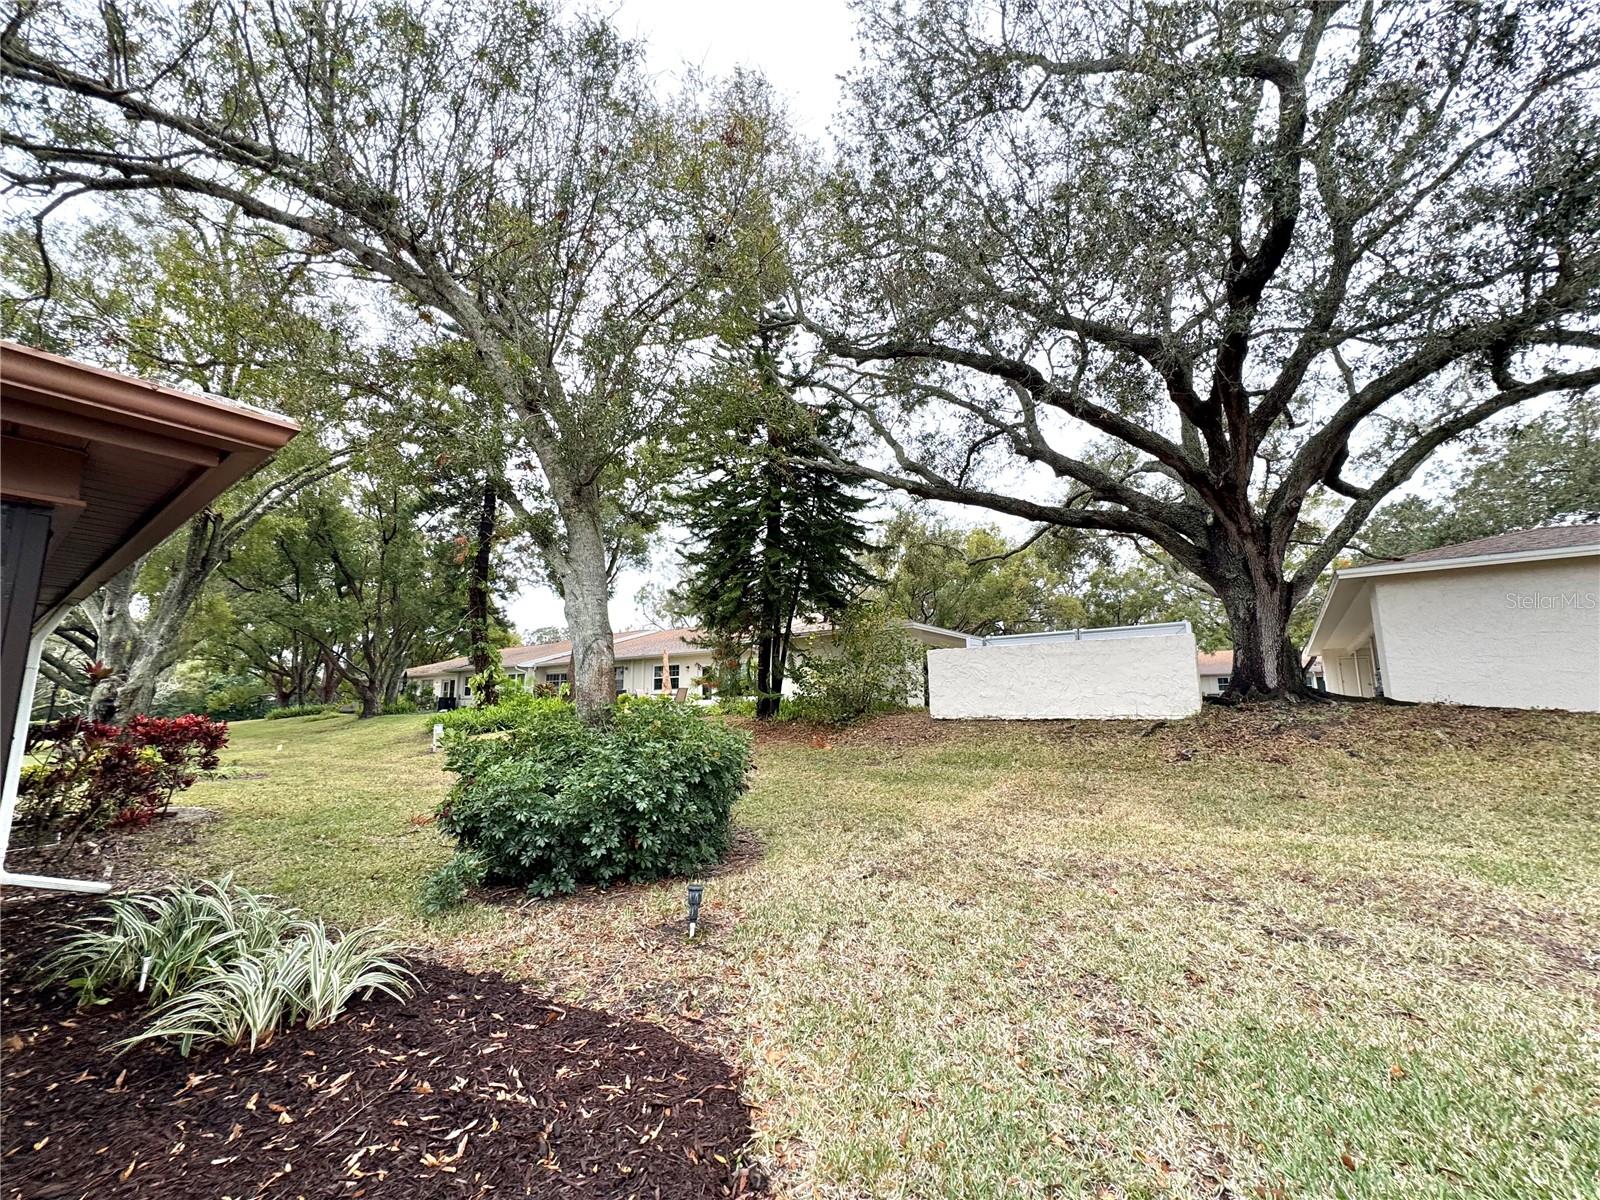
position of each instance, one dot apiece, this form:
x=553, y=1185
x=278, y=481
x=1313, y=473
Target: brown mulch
x=475, y=1087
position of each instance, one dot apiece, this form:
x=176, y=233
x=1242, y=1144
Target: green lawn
x=1352, y=953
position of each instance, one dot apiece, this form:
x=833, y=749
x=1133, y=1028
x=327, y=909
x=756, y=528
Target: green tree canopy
x=972, y=579
x=1518, y=477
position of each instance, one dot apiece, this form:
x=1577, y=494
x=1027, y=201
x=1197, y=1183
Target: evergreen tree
x=773, y=540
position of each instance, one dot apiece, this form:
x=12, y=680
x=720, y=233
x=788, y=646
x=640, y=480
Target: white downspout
x=19, y=749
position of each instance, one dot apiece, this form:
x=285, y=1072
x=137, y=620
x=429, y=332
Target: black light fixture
x=695, y=892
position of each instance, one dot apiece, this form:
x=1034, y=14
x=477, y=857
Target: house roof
x=1215, y=662
x=807, y=629
x=509, y=657
x=1522, y=545
x=627, y=645
x=1520, y=541
x=1344, y=621
x=123, y=462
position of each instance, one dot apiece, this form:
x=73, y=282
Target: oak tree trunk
x=370, y=696
x=1259, y=603
x=585, y=577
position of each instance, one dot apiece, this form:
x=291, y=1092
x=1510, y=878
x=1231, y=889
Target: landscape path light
x=696, y=890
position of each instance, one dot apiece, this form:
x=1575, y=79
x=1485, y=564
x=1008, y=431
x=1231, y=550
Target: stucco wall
x=640, y=679
x=1351, y=674
x=1518, y=636
x=1107, y=678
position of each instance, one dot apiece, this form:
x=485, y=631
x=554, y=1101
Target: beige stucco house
x=644, y=659
x=1511, y=621
x=641, y=655
x=1216, y=671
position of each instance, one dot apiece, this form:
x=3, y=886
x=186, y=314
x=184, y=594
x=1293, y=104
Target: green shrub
x=868, y=666
x=553, y=803
x=301, y=710
x=241, y=701
x=516, y=707
x=399, y=706
x=448, y=886
x=222, y=964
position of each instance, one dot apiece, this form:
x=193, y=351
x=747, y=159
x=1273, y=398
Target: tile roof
x=509, y=657
x=1521, y=541
x=629, y=644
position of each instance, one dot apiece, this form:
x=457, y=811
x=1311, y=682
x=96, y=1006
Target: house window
x=555, y=678
x=673, y=676
x=1223, y=681
x=622, y=680
x=449, y=688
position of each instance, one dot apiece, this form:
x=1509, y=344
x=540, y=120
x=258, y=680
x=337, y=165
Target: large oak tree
x=509, y=170
x=1204, y=265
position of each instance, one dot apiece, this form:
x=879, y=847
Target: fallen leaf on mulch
x=572, y=1102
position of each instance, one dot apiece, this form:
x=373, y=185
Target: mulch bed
x=475, y=1087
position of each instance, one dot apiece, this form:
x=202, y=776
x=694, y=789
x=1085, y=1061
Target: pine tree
x=774, y=540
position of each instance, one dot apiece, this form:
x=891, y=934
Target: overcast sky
x=802, y=48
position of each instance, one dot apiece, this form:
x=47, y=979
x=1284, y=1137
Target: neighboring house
x=640, y=669
x=815, y=639
x=644, y=659
x=1216, y=671
x=1511, y=621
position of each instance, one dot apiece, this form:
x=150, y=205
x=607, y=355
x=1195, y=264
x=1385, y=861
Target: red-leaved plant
x=94, y=775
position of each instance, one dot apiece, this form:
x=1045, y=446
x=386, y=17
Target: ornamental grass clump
x=554, y=803
x=223, y=964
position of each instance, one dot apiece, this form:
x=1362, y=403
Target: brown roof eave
x=95, y=394
x=219, y=442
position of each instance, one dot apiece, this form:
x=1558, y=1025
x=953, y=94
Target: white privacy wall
x=1525, y=635
x=1105, y=678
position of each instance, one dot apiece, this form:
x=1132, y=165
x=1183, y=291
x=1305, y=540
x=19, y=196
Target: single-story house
x=1216, y=671
x=1511, y=621
x=644, y=659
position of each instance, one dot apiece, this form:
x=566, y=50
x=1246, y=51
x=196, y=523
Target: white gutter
x=13, y=777
x=1477, y=560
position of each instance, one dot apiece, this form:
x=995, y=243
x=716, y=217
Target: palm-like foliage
x=244, y=1001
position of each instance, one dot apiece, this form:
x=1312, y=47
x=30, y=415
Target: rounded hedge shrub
x=553, y=803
